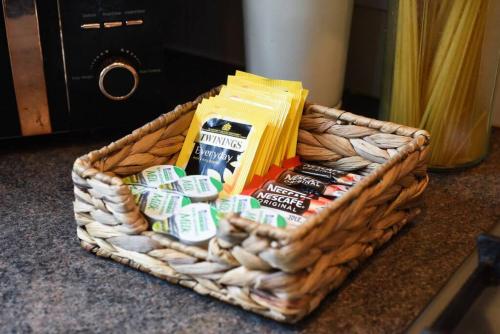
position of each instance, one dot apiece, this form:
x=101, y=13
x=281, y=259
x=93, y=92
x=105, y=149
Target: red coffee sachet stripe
x=327, y=174
x=305, y=183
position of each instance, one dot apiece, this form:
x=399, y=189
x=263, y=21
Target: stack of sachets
x=239, y=157
x=299, y=190
x=252, y=124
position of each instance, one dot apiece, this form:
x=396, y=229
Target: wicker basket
x=281, y=274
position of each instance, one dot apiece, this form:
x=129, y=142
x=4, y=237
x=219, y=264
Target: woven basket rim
x=353, y=192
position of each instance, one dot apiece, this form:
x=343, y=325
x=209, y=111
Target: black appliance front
x=113, y=61
x=9, y=126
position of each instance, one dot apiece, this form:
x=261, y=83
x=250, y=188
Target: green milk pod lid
x=156, y=176
x=237, y=203
x=166, y=226
x=265, y=216
x=196, y=223
x=137, y=189
x=158, y=204
x=199, y=188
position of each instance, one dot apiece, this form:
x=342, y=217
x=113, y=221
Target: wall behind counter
x=214, y=29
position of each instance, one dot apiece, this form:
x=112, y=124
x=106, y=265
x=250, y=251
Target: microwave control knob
x=118, y=80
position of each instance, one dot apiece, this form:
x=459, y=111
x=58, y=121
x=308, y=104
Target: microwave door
x=26, y=62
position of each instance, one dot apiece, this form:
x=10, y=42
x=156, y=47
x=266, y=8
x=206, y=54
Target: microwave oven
x=68, y=65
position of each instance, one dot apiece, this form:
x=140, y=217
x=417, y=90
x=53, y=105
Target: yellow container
x=441, y=73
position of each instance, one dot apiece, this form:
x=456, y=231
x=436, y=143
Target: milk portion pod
x=236, y=203
x=199, y=188
x=194, y=224
x=158, y=204
x=265, y=216
x=156, y=176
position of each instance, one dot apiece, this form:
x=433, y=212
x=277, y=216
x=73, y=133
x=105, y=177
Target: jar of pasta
x=440, y=74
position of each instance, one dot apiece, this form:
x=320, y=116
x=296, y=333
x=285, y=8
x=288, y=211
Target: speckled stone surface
x=49, y=284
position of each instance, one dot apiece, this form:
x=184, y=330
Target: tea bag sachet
x=222, y=141
x=290, y=131
x=275, y=101
x=263, y=111
x=285, y=116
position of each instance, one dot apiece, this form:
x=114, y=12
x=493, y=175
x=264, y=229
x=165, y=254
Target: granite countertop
x=49, y=284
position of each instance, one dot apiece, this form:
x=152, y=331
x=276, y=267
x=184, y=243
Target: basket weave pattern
x=282, y=274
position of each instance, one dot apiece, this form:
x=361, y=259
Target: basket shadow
x=332, y=296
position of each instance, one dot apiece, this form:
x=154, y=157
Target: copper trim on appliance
x=113, y=24
x=63, y=56
x=113, y=66
x=25, y=51
x=134, y=22
x=91, y=26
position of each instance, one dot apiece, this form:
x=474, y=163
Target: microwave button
x=91, y=26
x=112, y=24
x=134, y=22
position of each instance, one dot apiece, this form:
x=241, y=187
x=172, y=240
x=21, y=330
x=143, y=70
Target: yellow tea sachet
x=283, y=114
x=222, y=141
x=277, y=104
x=260, y=111
x=251, y=125
x=290, y=131
x=294, y=136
